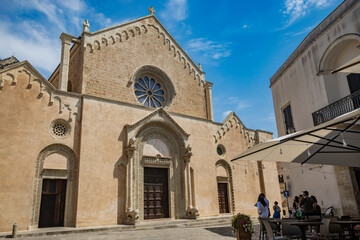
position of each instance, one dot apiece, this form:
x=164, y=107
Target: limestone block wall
x=28, y=106
x=112, y=57
x=236, y=138
x=76, y=68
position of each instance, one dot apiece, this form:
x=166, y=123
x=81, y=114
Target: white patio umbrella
x=336, y=142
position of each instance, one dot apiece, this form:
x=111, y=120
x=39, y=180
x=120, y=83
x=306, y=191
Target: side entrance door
x=156, y=200
x=52, y=207
x=223, y=198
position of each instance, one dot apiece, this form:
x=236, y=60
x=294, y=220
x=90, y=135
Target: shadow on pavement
x=223, y=231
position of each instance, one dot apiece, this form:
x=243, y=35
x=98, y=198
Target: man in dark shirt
x=307, y=204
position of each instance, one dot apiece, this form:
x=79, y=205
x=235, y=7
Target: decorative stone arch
x=229, y=179
x=177, y=191
x=161, y=77
x=159, y=125
x=334, y=49
x=70, y=174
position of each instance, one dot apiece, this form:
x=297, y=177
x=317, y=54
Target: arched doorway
x=156, y=178
x=54, y=187
x=225, y=187
x=159, y=156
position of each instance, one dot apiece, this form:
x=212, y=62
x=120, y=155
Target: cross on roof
x=151, y=10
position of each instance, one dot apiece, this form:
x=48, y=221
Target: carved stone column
x=192, y=212
x=132, y=215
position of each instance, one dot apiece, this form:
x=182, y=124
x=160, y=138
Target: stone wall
x=28, y=106
x=111, y=61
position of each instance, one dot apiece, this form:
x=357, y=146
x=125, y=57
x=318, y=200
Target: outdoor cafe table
x=349, y=224
x=302, y=224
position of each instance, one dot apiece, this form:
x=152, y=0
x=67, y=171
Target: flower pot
x=241, y=234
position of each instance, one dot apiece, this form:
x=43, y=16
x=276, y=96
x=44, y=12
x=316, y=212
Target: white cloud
x=74, y=5
x=299, y=8
x=102, y=20
x=245, y=26
x=240, y=104
x=175, y=10
x=304, y=31
x=46, y=7
x=208, y=48
x=270, y=118
x=42, y=53
x=225, y=114
x=37, y=40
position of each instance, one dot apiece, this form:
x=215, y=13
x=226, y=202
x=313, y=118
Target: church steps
x=144, y=225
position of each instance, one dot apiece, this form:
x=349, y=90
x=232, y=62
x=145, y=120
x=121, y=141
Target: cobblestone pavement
x=206, y=233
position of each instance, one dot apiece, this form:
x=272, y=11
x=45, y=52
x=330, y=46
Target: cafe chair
x=270, y=233
x=329, y=230
x=274, y=227
x=290, y=231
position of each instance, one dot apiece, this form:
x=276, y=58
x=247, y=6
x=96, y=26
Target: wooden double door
x=156, y=198
x=223, y=198
x=52, y=207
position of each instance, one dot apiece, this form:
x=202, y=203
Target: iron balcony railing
x=340, y=107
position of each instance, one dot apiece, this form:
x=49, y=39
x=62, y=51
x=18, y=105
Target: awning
x=336, y=142
x=352, y=66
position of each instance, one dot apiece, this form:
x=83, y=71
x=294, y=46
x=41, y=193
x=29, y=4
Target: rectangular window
x=289, y=125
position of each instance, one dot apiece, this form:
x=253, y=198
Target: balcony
x=340, y=107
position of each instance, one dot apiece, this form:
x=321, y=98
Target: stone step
x=143, y=225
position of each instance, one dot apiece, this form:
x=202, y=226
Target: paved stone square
x=208, y=233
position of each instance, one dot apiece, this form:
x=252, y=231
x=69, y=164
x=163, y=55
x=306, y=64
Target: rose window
x=149, y=92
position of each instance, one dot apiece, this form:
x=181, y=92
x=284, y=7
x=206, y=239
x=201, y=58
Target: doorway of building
x=354, y=86
x=156, y=198
x=223, y=198
x=52, y=206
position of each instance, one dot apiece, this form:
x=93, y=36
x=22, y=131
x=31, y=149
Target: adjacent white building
x=318, y=82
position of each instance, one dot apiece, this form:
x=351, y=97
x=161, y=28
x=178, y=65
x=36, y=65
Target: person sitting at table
x=277, y=210
x=306, y=204
x=263, y=207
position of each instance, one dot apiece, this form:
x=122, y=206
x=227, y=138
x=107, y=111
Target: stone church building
x=122, y=132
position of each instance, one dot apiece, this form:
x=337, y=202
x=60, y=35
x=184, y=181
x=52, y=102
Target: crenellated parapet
x=233, y=121
x=33, y=80
x=122, y=33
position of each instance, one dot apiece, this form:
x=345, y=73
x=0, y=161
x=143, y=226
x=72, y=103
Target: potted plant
x=242, y=226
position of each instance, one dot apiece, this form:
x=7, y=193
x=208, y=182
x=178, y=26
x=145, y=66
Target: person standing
x=262, y=207
x=267, y=202
x=277, y=210
x=296, y=203
x=307, y=204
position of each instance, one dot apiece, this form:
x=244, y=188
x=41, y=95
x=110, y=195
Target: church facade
x=122, y=132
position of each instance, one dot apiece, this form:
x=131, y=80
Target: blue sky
x=240, y=44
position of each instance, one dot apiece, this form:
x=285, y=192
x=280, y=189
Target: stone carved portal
x=55, y=162
x=225, y=187
x=158, y=142
x=173, y=162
